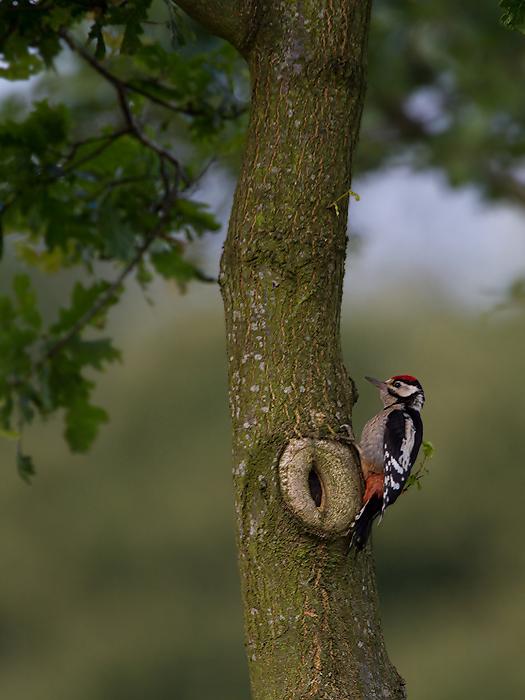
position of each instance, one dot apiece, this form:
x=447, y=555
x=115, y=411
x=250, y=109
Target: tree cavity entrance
x=316, y=487
x=320, y=484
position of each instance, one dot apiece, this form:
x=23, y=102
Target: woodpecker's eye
x=397, y=384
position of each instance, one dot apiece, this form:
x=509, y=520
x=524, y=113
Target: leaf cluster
x=108, y=196
x=31, y=29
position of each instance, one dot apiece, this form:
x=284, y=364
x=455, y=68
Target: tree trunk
x=311, y=609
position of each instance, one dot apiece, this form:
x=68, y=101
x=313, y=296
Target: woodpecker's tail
x=362, y=524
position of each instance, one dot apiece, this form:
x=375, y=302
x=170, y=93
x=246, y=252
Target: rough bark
x=311, y=610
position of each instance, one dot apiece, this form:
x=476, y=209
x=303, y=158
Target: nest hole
x=316, y=488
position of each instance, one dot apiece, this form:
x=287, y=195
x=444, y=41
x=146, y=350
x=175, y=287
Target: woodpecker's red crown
x=406, y=378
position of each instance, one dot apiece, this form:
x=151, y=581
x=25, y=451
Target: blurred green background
x=119, y=577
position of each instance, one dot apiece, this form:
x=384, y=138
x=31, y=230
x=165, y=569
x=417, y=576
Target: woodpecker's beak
x=376, y=382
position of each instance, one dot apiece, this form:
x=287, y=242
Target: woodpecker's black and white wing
x=403, y=436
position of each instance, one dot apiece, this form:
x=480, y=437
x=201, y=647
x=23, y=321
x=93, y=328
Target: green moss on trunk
x=311, y=611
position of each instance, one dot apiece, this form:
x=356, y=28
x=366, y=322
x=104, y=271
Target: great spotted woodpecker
x=389, y=445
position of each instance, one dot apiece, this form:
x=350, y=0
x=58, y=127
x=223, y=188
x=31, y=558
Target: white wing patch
x=397, y=467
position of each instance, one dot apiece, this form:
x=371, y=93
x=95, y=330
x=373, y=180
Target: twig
x=188, y=109
x=108, y=187
x=105, y=298
x=348, y=193
x=164, y=176
x=420, y=471
x=192, y=186
x=121, y=88
x=107, y=141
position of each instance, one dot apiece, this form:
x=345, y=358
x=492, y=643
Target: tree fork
x=311, y=611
